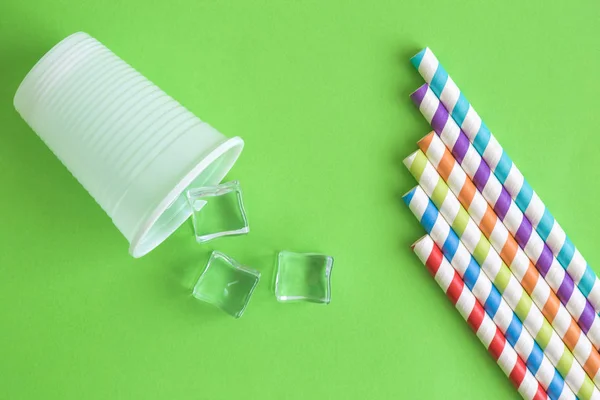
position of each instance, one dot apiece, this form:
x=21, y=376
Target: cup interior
x=174, y=209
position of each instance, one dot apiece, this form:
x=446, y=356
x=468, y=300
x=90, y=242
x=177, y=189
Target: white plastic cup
x=134, y=148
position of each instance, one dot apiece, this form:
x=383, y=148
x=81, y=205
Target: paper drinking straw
x=472, y=311
x=483, y=218
x=510, y=325
x=507, y=172
x=506, y=209
x=512, y=292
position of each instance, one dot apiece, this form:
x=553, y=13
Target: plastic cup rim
x=151, y=218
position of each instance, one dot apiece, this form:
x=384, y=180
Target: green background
x=319, y=91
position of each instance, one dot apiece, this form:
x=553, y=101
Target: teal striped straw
x=508, y=174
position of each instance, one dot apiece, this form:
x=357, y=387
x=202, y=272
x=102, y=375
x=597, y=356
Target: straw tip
x=419, y=241
x=409, y=195
x=408, y=161
x=426, y=140
x=418, y=95
x=417, y=58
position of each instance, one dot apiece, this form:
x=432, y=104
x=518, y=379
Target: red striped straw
x=472, y=311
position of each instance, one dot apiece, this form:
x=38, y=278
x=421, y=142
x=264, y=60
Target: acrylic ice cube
x=303, y=277
x=218, y=211
x=226, y=284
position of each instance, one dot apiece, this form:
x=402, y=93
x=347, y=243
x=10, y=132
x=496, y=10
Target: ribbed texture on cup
x=112, y=116
x=107, y=123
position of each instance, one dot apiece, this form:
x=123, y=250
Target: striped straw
x=506, y=209
x=471, y=310
x=512, y=293
x=483, y=218
x=507, y=172
x=510, y=325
